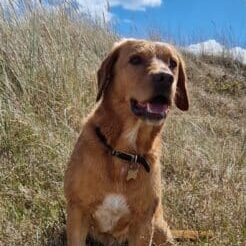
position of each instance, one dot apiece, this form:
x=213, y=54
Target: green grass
x=48, y=66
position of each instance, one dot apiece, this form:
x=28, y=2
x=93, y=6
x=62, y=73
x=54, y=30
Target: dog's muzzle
x=157, y=107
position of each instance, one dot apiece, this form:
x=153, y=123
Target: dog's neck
x=125, y=132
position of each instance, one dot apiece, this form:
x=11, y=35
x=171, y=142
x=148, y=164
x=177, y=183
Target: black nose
x=162, y=82
x=163, y=77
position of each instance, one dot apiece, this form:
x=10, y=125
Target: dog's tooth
x=149, y=108
x=157, y=109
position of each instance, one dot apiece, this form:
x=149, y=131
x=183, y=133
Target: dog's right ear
x=105, y=73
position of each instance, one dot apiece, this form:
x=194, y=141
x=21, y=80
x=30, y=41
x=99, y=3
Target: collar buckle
x=134, y=158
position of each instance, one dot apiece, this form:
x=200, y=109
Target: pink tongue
x=157, y=108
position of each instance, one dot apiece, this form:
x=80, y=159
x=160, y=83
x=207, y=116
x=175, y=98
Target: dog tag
x=132, y=174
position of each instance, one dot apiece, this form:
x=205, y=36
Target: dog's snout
x=163, y=77
x=162, y=81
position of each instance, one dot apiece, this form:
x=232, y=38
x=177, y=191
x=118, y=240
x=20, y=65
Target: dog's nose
x=162, y=82
x=162, y=77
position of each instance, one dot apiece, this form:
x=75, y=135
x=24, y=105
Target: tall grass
x=48, y=60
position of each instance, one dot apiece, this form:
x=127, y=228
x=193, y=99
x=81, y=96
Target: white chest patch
x=131, y=135
x=114, y=206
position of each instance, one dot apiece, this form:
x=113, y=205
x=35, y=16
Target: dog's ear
x=105, y=73
x=181, y=96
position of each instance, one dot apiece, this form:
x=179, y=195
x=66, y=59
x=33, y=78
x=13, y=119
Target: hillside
x=48, y=84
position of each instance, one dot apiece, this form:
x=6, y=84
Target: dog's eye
x=135, y=60
x=172, y=64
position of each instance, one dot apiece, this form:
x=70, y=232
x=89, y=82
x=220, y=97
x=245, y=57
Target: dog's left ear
x=105, y=73
x=181, y=96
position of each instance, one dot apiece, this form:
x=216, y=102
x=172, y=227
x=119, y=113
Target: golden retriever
x=113, y=180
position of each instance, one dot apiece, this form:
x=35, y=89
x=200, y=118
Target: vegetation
x=47, y=85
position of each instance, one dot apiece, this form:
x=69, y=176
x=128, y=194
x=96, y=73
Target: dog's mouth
x=154, y=109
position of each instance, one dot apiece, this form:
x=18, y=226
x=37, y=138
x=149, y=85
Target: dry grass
x=47, y=85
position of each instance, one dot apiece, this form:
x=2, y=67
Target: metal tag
x=132, y=174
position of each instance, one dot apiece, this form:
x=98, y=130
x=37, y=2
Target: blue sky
x=187, y=21
x=181, y=21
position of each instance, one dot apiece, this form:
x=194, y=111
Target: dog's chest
x=111, y=212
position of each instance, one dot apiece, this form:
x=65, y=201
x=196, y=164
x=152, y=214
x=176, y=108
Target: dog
x=113, y=179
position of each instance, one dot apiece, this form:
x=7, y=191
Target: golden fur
x=100, y=200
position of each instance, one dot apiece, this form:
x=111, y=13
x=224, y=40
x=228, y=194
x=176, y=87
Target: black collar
x=122, y=155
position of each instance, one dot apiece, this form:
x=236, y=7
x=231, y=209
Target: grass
x=47, y=85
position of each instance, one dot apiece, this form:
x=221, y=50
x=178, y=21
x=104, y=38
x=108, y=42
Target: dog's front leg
x=77, y=226
x=141, y=236
x=162, y=235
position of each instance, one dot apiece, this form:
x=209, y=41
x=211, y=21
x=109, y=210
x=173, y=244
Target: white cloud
x=127, y=21
x=101, y=8
x=239, y=54
x=135, y=4
x=96, y=8
x=212, y=47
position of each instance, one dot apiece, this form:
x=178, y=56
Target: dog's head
x=146, y=77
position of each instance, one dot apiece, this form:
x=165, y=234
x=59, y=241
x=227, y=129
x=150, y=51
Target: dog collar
x=122, y=155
